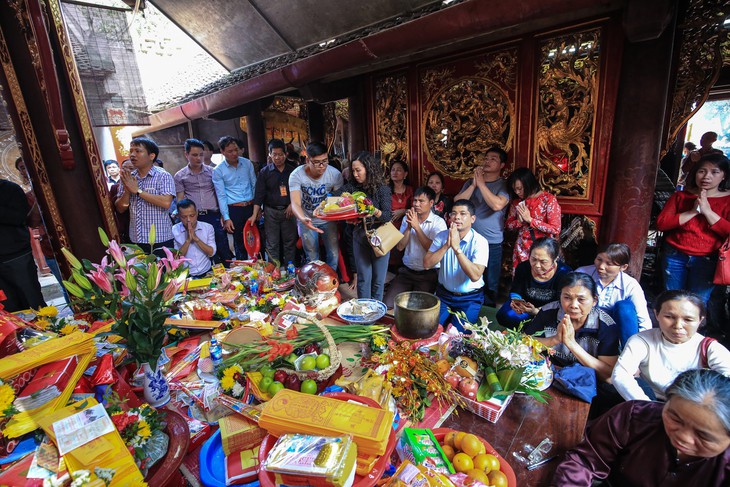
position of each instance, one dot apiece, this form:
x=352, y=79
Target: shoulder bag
x=722, y=271
x=383, y=238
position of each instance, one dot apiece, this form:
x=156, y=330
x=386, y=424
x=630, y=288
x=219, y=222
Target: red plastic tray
x=266, y=479
x=505, y=467
x=336, y=217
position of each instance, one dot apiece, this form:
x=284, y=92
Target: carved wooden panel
x=567, y=101
x=467, y=108
x=391, y=119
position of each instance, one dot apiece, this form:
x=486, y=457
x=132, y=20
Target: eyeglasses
x=320, y=162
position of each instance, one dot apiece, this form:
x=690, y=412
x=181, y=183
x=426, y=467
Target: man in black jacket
x=18, y=273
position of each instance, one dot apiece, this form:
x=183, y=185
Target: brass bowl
x=416, y=314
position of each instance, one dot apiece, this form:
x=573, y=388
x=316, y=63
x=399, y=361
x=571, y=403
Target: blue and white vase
x=156, y=388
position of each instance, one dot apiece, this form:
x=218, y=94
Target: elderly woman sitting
x=683, y=442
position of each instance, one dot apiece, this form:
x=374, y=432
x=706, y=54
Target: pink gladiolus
x=117, y=254
x=100, y=278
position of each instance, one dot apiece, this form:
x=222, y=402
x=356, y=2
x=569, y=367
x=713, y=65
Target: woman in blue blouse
x=367, y=176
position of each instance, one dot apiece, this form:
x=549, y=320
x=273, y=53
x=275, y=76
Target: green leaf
x=484, y=392
x=350, y=359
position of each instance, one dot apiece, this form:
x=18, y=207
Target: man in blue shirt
x=235, y=181
x=463, y=255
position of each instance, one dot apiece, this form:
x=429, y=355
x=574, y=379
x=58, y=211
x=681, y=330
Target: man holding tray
x=309, y=185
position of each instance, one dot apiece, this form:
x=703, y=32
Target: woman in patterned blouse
x=534, y=213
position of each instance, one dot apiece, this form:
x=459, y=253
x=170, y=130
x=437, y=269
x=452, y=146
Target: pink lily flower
x=99, y=277
x=117, y=254
x=173, y=287
x=170, y=262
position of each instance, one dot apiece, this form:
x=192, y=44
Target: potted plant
x=133, y=290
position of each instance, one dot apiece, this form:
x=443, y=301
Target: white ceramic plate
x=361, y=311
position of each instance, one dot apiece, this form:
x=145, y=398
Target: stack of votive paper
x=294, y=412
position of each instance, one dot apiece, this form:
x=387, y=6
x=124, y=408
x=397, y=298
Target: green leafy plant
x=132, y=289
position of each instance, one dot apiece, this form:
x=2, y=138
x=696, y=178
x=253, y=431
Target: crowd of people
x=596, y=316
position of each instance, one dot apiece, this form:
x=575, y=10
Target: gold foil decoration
x=566, y=109
x=391, y=119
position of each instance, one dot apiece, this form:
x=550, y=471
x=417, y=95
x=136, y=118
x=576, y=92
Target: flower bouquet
x=134, y=290
x=141, y=429
x=505, y=359
x=232, y=380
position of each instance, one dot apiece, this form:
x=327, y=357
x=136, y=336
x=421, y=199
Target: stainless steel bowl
x=416, y=314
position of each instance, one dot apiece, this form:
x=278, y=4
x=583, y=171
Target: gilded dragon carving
x=391, y=119
x=705, y=47
x=566, y=109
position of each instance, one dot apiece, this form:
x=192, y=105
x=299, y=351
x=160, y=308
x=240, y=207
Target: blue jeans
x=310, y=242
x=693, y=273
x=371, y=269
x=624, y=314
x=470, y=304
x=493, y=270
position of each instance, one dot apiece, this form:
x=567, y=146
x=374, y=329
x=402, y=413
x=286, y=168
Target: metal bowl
x=416, y=314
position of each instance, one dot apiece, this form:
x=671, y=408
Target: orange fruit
x=497, y=479
x=443, y=366
x=482, y=448
x=493, y=462
x=462, y=462
x=470, y=445
x=457, y=440
x=482, y=463
x=448, y=451
x=478, y=475
x=449, y=438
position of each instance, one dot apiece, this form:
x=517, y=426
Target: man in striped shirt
x=147, y=195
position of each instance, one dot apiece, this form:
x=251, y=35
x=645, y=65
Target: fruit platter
x=345, y=207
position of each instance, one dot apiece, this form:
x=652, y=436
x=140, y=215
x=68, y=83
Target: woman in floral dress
x=534, y=213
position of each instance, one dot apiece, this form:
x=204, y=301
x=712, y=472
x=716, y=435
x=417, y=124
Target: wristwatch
x=458, y=252
x=140, y=191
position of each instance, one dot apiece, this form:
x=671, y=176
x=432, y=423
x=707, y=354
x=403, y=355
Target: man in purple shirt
x=147, y=195
x=195, y=182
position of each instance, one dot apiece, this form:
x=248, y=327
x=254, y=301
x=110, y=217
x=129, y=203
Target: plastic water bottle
x=290, y=269
x=254, y=287
x=216, y=353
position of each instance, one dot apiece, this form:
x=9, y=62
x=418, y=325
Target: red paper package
x=242, y=467
x=104, y=373
x=48, y=383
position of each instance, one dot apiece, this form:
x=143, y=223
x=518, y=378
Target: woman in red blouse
x=695, y=223
x=401, y=193
x=534, y=213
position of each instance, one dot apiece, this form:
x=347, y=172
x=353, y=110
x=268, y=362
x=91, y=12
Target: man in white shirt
x=195, y=240
x=463, y=255
x=420, y=226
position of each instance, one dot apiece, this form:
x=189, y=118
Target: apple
x=453, y=379
x=468, y=387
x=292, y=382
x=280, y=376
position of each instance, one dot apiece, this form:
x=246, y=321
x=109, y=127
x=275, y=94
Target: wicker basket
x=491, y=411
x=334, y=353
